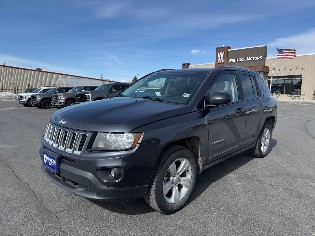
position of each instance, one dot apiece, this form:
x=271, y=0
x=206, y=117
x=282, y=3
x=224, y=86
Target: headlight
x=61, y=97
x=116, y=141
x=88, y=96
x=37, y=97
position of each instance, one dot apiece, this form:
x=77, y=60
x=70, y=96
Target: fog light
x=115, y=173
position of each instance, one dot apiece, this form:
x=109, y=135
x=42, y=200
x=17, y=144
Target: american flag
x=286, y=53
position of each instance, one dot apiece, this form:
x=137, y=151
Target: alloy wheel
x=177, y=180
x=265, y=140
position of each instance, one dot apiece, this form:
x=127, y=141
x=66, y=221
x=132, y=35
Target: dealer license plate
x=51, y=161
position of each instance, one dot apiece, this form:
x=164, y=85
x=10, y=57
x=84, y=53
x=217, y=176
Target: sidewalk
x=294, y=100
x=8, y=96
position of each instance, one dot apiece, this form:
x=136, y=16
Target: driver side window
x=226, y=83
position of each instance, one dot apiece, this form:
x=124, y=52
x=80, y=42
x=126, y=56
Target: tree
x=135, y=79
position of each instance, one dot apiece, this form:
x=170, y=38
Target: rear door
x=250, y=107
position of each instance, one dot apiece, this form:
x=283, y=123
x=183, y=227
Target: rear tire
x=262, y=147
x=173, y=180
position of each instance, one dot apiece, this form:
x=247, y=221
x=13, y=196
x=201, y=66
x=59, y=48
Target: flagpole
x=273, y=66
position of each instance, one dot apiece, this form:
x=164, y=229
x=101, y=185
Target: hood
x=40, y=94
x=26, y=94
x=66, y=94
x=119, y=114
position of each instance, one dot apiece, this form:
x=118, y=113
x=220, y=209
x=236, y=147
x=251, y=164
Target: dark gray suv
x=43, y=100
x=104, y=91
x=60, y=100
x=161, y=132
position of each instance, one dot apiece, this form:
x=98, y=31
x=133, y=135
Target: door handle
x=239, y=111
x=253, y=110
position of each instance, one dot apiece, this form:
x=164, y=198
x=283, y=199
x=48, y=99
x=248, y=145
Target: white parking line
x=10, y=108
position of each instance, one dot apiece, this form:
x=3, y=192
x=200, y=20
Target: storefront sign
x=243, y=59
x=247, y=57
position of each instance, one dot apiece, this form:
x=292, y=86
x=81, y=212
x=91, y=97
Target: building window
x=285, y=85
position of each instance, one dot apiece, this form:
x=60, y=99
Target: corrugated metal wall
x=16, y=80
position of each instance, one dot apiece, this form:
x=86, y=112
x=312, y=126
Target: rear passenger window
x=247, y=86
x=263, y=86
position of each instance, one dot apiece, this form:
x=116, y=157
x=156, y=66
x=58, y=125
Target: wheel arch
x=191, y=143
x=69, y=99
x=271, y=120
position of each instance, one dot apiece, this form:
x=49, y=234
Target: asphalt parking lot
x=241, y=196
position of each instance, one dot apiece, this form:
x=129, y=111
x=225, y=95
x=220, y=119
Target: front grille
x=82, y=98
x=66, y=140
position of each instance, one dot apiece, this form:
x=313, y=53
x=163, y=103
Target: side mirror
x=218, y=98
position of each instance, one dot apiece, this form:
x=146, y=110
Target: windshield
x=36, y=90
x=75, y=89
x=53, y=90
x=102, y=87
x=168, y=86
x=81, y=89
x=45, y=90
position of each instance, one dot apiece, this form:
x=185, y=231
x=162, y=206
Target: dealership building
x=288, y=78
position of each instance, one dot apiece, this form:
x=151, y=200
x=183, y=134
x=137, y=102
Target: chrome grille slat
x=56, y=137
x=65, y=139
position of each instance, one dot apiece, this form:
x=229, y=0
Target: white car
x=25, y=98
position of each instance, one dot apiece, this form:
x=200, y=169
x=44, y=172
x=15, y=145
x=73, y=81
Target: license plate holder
x=51, y=161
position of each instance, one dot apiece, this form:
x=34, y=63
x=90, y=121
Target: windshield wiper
x=153, y=98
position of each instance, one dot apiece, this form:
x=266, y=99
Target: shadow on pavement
x=209, y=176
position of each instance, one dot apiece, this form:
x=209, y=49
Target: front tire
x=262, y=147
x=173, y=181
x=28, y=103
x=45, y=104
x=69, y=103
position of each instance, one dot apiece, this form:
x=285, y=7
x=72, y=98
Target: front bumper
x=22, y=101
x=79, y=100
x=58, y=103
x=87, y=185
x=87, y=174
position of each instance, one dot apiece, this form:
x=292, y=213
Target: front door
x=226, y=124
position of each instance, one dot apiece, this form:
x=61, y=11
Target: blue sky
x=121, y=39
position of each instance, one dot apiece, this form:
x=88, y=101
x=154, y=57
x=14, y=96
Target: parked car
x=104, y=91
x=60, y=100
x=43, y=100
x=154, y=146
x=25, y=98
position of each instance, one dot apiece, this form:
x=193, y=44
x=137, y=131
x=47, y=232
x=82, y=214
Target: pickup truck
x=60, y=100
x=25, y=98
x=43, y=100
